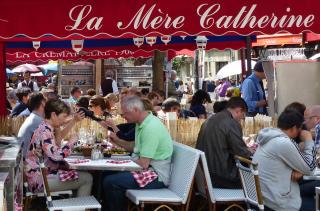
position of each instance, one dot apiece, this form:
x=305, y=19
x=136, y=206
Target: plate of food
x=115, y=151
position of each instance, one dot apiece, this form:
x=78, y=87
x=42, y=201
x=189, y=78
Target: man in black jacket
x=220, y=138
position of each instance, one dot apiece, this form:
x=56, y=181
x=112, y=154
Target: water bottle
x=95, y=154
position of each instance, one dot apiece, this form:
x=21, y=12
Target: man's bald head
x=312, y=116
x=314, y=110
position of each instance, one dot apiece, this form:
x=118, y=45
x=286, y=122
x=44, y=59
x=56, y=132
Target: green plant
x=178, y=62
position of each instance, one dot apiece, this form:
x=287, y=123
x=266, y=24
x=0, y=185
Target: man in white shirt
x=108, y=85
x=28, y=82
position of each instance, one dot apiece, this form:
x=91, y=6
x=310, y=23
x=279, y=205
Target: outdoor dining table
x=109, y=164
x=315, y=176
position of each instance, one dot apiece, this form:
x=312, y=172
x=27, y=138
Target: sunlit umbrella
x=84, y=63
x=26, y=67
x=37, y=74
x=49, y=68
x=233, y=68
x=9, y=72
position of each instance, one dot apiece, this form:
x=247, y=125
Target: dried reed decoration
x=10, y=126
x=185, y=131
x=252, y=125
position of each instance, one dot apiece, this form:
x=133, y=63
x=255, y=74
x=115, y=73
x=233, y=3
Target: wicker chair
x=250, y=182
x=70, y=204
x=215, y=196
x=184, y=162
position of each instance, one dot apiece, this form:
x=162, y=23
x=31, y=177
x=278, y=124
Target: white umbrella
x=233, y=68
x=26, y=67
x=315, y=57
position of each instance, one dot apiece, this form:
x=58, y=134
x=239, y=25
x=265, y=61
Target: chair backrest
x=250, y=181
x=184, y=163
x=203, y=179
x=43, y=170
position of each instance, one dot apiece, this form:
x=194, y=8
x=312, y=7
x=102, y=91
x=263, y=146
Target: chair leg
x=26, y=203
x=212, y=207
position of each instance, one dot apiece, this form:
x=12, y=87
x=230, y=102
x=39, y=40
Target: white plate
x=124, y=154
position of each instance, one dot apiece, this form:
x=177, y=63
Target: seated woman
x=99, y=107
x=112, y=100
x=199, y=98
x=46, y=142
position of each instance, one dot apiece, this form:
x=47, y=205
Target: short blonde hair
x=111, y=97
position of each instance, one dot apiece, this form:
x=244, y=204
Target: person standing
x=220, y=138
x=108, y=84
x=28, y=82
x=253, y=92
x=172, y=90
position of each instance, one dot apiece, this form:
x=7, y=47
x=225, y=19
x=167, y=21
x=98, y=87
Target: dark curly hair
x=200, y=97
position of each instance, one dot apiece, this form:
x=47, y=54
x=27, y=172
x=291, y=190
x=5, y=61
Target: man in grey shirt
x=36, y=105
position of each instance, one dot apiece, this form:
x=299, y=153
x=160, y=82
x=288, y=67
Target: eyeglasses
x=309, y=118
x=90, y=106
x=123, y=114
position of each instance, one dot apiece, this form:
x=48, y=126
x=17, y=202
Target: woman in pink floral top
x=43, y=141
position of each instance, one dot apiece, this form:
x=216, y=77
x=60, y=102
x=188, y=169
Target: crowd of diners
x=284, y=154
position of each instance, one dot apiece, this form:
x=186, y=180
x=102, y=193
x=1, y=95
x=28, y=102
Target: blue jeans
x=115, y=186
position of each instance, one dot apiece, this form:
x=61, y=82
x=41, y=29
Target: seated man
x=36, y=105
x=220, y=138
x=280, y=160
x=172, y=105
x=169, y=105
x=152, y=150
x=21, y=107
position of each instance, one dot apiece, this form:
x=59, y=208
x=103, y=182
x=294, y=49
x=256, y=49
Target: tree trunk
x=157, y=67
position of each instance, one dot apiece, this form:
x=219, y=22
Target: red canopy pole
x=3, y=110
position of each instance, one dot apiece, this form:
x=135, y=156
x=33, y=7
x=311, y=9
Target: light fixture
x=201, y=42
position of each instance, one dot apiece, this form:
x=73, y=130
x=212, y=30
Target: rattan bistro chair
x=215, y=196
x=184, y=163
x=250, y=182
x=70, y=204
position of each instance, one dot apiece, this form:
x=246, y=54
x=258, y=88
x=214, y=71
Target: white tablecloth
x=315, y=176
x=102, y=164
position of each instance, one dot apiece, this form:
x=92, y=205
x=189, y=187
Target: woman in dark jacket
x=199, y=98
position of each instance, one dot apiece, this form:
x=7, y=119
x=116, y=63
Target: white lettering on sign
x=246, y=18
x=147, y=21
x=79, y=15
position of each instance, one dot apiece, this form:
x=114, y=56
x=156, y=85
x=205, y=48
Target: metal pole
x=248, y=55
x=196, y=70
